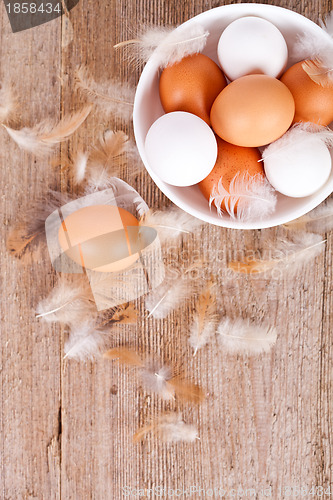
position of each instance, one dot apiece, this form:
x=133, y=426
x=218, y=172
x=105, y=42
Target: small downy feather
x=42, y=138
x=79, y=166
x=169, y=295
x=249, y=197
x=186, y=391
x=124, y=356
x=242, y=337
x=29, y=232
x=126, y=314
x=318, y=52
x=169, y=427
x=288, y=255
x=8, y=104
x=299, y=136
x=319, y=220
x=112, y=97
x=166, y=45
x=68, y=303
x=86, y=341
x=157, y=379
x=171, y=223
x=205, y=318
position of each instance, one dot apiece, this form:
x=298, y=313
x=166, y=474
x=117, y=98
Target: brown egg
x=253, y=110
x=313, y=102
x=100, y=237
x=231, y=160
x=191, y=85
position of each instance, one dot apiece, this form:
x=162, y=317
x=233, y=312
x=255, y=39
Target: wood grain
x=67, y=427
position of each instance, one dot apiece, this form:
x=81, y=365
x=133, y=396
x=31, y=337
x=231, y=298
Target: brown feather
x=124, y=356
x=187, y=391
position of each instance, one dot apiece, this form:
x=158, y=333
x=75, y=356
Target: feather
x=242, y=337
x=205, y=318
x=169, y=428
x=169, y=295
x=8, y=103
x=288, y=255
x=112, y=97
x=186, y=391
x=249, y=197
x=298, y=136
x=110, y=146
x=156, y=379
x=125, y=314
x=79, y=166
x=166, y=45
x=170, y=223
x=320, y=70
x=29, y=232
x=67, y=303
x=124, y=356
x=319, y=220
x=86, y=341
x=42, y=138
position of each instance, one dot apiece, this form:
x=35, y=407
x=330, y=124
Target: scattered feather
x=79, y=167
x=112, y=97
x=158, y=379
x=86, y=341
x=68, y=303
x=169, y=428
x=205, y=318
x=124, y=356
x=242, y=337
x=320, y=70
x=42, y=138
x=288, y=255
x=171, y=223
x=187, y=391
x=8, y=103
x=319, y=220
x=125, y=314
x=169, y=295
x=249, y=198
x=166, y=45
x=298, y=137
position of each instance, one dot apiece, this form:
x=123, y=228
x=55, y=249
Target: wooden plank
x=30, y=375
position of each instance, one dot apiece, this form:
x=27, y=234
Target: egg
x=299, y=169
x=231, y=160
x=252, y=111
x=181, y=148
x=191, y=85
x=101, y=237
x=313, y=102
x=252, y=45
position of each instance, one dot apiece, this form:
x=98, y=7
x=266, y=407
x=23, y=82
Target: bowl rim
x=208, y=217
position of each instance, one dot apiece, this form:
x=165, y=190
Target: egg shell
x=181, y=148
x=100, y=237
x=299, y=170
x=253, y=111
x=313, y=103
x=252, y=45
x=231, y=160
x=191, y=85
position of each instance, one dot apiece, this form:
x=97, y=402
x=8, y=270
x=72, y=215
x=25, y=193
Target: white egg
x=181, y=148
x=252, y=45
x=299, y=171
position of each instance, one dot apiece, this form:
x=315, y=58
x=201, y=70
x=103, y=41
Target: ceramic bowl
x=147, y=108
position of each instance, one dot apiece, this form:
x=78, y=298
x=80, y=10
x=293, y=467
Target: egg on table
x=252, y=45
x=252, y=111
x=181, y=148
x=313, y=103
x=191, y=85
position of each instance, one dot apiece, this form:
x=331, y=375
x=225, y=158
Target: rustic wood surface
x=67, y=427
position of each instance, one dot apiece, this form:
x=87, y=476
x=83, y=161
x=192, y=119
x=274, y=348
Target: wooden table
x=67, y=427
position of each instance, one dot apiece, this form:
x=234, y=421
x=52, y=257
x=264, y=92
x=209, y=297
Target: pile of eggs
x=218, y=120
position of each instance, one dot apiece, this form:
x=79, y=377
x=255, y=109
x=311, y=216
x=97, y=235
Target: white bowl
x=147, y=108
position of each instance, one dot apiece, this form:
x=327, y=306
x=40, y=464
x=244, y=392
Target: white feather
x=242, y=337
x=85, y=342
x=80, y=166
x=169, y=295
x=172, y=428
x=156, y=378
x=300, y=135
x=67, y=303
x=167, y=45
x=249, y=197
x=171, y=223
